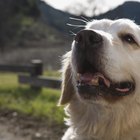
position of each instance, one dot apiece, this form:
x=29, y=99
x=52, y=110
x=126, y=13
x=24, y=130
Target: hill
x=59, y=19
x=130, y=10
x=31, y=29
x=21, y=23
x=24, y=35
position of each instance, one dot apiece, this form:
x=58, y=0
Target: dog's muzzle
x=91, y=77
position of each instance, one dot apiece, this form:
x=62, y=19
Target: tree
x=11, y=14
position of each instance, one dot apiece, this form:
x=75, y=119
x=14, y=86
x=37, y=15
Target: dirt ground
x=14, y=126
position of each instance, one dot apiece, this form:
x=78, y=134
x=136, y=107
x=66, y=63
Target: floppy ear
x=67, y=85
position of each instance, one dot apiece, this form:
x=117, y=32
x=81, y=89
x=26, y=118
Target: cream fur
x=101, y=120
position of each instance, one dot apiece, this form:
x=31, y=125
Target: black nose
x=88, y=38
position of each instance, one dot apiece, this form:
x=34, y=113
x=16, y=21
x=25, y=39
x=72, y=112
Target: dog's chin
x=96, y=86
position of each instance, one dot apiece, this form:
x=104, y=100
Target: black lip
x=101, y=90
x=87, y=89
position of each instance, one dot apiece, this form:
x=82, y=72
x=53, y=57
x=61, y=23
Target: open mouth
x=96, y=84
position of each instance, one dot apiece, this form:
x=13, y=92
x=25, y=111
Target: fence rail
x=12, y=68
x=40, y=81
x=32, y=74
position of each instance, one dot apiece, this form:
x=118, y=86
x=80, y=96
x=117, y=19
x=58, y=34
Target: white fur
x=101, y=120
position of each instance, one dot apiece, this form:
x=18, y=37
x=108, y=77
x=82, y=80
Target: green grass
x=52, y=73
x=21, y=98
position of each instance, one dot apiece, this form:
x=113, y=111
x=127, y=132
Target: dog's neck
x=95, y=121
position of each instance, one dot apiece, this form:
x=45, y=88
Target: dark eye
x=128, y=38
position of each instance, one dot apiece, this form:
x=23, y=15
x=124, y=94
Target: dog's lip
x=99, y=80
x=93, y=79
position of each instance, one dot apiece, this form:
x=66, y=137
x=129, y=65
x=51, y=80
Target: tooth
x=95, y=81
x=78, y=76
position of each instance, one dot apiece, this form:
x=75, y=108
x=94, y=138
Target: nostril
x=91, y=39
x=95, y=38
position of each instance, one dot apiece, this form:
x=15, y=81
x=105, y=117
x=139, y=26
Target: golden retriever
x=101, y=82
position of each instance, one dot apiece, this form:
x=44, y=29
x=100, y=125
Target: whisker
x=85, y=19
x=75, y=25
x=72, y=33
x=78, y=19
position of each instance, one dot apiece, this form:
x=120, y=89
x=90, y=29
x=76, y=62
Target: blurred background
x=34, y=34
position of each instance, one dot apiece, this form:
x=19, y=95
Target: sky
x=85, y=6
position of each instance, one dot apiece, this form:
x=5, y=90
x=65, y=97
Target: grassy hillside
x=24, y=36
x=21, y=25
x=11, y=14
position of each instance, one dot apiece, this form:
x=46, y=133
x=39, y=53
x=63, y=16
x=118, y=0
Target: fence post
x=37, y=71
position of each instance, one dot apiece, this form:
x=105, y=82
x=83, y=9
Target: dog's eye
x=128, y=38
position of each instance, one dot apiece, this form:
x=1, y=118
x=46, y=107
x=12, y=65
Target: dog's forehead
x=108, y=25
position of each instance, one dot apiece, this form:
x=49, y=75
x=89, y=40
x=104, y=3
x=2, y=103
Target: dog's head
x=104, y=63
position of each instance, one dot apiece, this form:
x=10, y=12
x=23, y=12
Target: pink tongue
x=87, y=78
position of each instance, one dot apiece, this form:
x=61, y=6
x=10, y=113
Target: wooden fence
x=31, y=74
